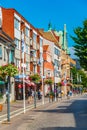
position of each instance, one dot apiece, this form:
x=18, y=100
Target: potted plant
x=51, y=94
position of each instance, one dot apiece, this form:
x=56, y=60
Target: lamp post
x=8, y=49
x=23, y=65
x=34, y=63
x=55, y=81
x=43, y=81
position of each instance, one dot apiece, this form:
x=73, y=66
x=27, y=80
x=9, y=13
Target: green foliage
x=83, y=78
x=74, y=74
x=59, y=84
x=49, y=81
x=35, y=78
x=51, y=93
x=8, y=70
x=81, y=73
x=80, y=47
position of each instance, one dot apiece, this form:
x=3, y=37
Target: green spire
x=68, y=52
x=49, y=26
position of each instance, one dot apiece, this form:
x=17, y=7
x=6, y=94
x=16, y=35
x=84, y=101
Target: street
x=68, y=114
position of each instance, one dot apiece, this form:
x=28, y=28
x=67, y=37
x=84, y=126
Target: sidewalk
x=17, y=107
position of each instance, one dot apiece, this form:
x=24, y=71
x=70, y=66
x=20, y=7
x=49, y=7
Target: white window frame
x=16, y=23
x=17, y=43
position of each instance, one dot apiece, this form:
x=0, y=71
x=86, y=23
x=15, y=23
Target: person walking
x=29, y=96
x=39, y=94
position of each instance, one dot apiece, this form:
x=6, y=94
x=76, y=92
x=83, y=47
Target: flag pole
x=23, y=50
x=42, y=82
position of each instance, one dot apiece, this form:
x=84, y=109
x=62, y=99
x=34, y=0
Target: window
x=12, y=56
x=27, y=32
x=17, y=42
x=34, y=53
x=48, y=73
x=0, y=51
x=17, y=63
x=4, y=53
x=27, y=49
x=27, y=66
x=56, y=51
x=34, y=37
x=16, y=23
x=41, y=43
x=57, y=63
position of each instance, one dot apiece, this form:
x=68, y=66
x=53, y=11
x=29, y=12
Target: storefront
x=19, y=87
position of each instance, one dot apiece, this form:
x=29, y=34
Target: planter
x=51, y=96
x=1, y=107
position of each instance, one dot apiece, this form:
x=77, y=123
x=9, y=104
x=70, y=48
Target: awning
x=2, y=82
x=29, y=83
x=20, y=76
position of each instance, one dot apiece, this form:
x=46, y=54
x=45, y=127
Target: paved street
x=64, y=115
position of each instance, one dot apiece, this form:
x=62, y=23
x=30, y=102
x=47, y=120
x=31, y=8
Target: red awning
x=29, y=83
x=20, y=85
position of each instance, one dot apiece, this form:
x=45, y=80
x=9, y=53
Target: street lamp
x=43, y=89
x=41, y=64
x=55, y=81
x=8, y=49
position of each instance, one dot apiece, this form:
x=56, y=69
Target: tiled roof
x=49, y=36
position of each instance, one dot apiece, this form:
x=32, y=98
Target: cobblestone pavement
x=66, y=115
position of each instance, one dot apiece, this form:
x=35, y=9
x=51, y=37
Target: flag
x=23, y=43
x=23, y=46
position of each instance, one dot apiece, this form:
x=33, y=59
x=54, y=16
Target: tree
x=35, y=78
x=50, y=82
x=74, y=75
x=8, y=70
x=83, y=78
x=80, y=46
x=81, y=74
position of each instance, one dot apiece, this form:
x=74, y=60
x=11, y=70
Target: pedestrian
x=39, y=95
x=29, y=96
x=32, y=94
x=68, y=94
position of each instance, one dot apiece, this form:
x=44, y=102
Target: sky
x=59, y=12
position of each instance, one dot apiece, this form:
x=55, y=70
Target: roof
x=49, y=36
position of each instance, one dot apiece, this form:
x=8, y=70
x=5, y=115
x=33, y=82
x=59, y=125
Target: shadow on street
x=79, y=110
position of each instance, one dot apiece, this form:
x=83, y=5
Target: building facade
x=33, y=50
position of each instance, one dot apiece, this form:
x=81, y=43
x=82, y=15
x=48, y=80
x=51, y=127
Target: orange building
x=28, y=41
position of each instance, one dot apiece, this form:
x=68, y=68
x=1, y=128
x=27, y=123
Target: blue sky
x=59, y=12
